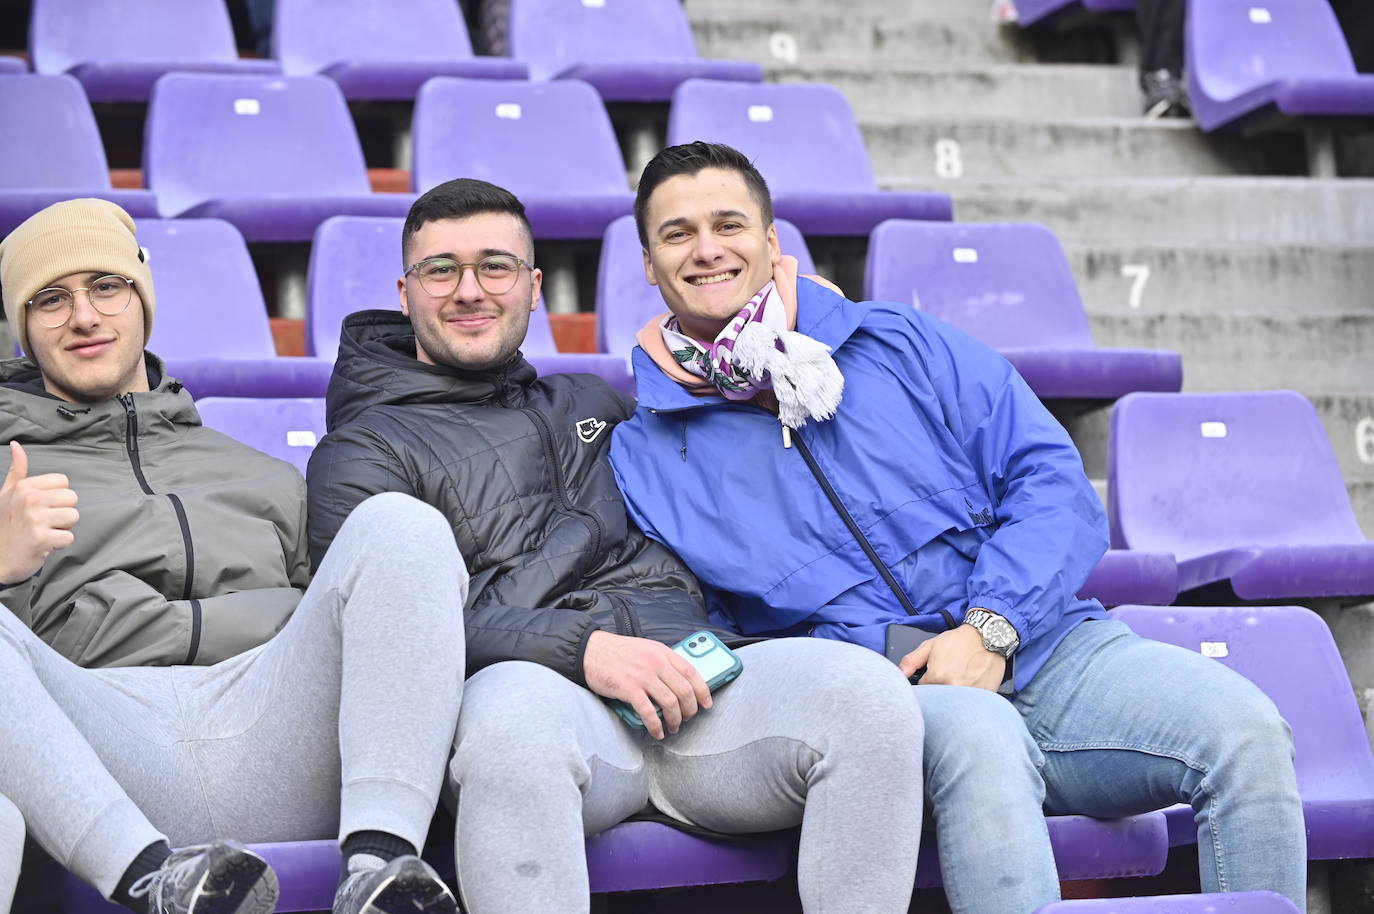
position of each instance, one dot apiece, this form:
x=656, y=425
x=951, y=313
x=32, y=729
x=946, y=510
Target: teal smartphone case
x=716, y=663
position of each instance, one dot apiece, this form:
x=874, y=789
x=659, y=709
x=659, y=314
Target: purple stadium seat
x=275, y=156
x=1126, y=576
x=1010, y=286
x=1216, y=903
x=550, y=144
x=807, y=145
x=211, y=326
x=11, y=65
x=1242, y=488
x=52, y=150
x=354, y=264
x=1045, y=12
x=134, y=43
x=286, y=428
x=629, y=50
x=1249, y=59
x=380, y=50
x=1289, y=653
x=625, y=301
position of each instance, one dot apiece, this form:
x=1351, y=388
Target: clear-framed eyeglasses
x=109, y=295
x=496, y=274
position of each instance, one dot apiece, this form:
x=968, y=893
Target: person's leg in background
x=1161, y=59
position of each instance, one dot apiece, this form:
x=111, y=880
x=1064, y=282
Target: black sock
x=380, y=844
x=148, y=860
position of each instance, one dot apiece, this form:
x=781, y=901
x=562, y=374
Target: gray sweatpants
x=11, y=851
x=814, y=732
x=340, y=723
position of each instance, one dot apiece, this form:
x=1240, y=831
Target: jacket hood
x=377, y=366
x=822, y=314
x=29, y=414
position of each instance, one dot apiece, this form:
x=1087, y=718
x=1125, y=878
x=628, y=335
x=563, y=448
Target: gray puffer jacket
x=519, y=467
x=190, y=547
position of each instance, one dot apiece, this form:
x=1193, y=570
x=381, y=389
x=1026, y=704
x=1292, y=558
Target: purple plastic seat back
x=534, y=139
x=625, y=301
x=1289, y=653
x=800, y=137
x=552, y=35
x=1195, y=474
x=209, y=304
x=211, y=137
x=66, y=33
x=55, y=109
x=1033, y=12
x=1008, y=285
x=12, y=65
x=286, y=428
x=310, y=35
x=354, y=264
x=1212, y=903
x=1235, y=46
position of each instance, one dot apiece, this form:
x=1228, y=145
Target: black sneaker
x=406, y=885
x=220, y=878
x=1165, y=95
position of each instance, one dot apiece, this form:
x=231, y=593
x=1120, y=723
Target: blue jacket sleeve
x=1050, y=528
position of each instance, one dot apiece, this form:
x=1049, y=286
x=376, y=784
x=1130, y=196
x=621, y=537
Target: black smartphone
x=902, y=640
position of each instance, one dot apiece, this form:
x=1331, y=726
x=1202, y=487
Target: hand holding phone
x=712, y=662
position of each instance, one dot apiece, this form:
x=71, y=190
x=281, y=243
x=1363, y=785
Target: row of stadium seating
x=278, y=155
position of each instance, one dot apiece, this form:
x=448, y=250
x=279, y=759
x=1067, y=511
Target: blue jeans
x=1112, y=725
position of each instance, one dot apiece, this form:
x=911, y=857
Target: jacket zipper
x=795, y=438
x=631, y=626
x=131, y=444
x=559, y=484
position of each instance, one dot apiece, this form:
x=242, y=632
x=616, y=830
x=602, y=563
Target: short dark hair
x=690, y=159
x=458, y=199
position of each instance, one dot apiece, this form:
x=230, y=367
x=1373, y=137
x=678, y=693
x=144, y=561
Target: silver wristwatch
x=998, y=634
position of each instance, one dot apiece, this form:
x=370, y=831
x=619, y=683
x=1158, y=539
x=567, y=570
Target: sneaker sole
x=412, y=889
x=236, y=881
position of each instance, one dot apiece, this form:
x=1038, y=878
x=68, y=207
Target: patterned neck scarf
x=757, y=351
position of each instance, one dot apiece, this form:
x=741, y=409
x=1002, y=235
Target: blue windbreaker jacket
x=965, y=488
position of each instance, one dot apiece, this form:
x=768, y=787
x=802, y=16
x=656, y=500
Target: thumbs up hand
x=36, y=517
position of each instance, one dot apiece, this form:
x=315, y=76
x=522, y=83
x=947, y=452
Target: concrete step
x=1223, y=351
x=892, y=90
x=780, y=36
x=1253, y=280
x=1171, y=211
x=969, y=149
x=971, y=10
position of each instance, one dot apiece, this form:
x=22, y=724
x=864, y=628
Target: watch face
x=999, y=633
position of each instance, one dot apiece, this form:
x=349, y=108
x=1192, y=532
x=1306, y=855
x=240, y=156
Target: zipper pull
x=786, y=437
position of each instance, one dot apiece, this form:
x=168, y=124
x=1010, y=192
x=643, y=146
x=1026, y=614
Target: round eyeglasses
x=109, y=295
x=496, y=274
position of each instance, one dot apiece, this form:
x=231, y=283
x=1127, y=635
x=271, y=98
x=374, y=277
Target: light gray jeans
x=340, y=723
x=11, y=851
x=816, y=733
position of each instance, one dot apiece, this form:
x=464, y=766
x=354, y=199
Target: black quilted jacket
x=518, y=466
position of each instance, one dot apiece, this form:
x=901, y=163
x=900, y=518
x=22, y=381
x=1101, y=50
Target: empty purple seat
x=806, y=143
x=275, y=156
x=1289, y=653
x=354, y=265
x=118, y=50
x=1047, y=12
x=1252, y=59
x=1127, y=576
x=287, y=428
x=211, y=327
x=1010, y=286
x=1243, y=489
x=625, y=301
x=636, y=51
x=11, y=65
x=1216, y=903
x=550, y=144
x=380, y=50
x=52, y=150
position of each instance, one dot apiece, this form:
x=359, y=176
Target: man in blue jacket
x=829, y=468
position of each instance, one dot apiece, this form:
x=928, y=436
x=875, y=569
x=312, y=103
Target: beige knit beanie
x=75, y=236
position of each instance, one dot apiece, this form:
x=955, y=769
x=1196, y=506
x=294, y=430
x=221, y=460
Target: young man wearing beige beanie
x=171, y=679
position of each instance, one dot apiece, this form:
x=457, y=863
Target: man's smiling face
x=469, y=327
x=708, y=248
x=91, y=357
